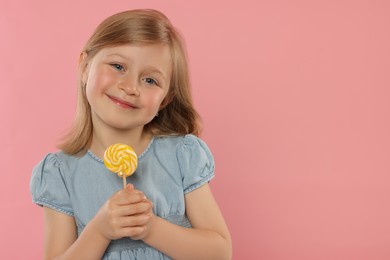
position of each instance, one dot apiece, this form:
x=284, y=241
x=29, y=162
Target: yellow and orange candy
x=121, y=159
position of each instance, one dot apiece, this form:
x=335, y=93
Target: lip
x=122, y=103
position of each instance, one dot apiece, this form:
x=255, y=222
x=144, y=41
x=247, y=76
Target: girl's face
x=126, y=84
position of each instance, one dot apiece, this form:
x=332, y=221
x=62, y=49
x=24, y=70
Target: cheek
x=88, y=93
x=90, y=89
x=158, y=99
x=96, y=83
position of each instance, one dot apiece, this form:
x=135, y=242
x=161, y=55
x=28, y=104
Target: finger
x=130, y=191
x=132, y=231
x=135, y=220
x=135, y=208
x=129, y=187
x=151, y=205
x=125, y=197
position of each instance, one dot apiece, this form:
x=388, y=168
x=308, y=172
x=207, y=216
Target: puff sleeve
x=196, y=163
x=48, y=185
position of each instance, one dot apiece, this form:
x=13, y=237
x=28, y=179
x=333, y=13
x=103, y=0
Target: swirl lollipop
x=121, y=159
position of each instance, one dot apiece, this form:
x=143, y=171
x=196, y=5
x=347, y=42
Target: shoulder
x=186, y=147
x=194, y=148
x=50, y=161
x=57, y=160
x=195, y=160
x=181, y=142
x=192, y=141
x=48, y=184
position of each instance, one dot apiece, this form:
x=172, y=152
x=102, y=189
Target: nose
x=130, y=87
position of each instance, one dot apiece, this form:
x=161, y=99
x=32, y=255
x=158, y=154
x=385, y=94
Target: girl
x=133, y=89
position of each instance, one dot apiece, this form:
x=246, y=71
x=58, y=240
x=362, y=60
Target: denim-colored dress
x=169, y=168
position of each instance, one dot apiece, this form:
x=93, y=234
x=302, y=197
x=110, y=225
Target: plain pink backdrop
x=294, y=97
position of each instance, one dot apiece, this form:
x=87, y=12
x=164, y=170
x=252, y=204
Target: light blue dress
x=168, y=169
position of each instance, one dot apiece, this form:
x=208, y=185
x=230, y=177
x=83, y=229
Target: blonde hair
x=138, y=27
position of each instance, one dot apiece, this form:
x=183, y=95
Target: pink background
x=295, y=101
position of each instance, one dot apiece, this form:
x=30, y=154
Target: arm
x=61, y=240
x=208, y=239
x=123, y=215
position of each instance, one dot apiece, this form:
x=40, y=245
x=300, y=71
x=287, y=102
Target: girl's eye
x=118, y=67
x=150, y=81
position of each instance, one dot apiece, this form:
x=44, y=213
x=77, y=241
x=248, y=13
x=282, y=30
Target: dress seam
x=143, y=154
x=50, y=204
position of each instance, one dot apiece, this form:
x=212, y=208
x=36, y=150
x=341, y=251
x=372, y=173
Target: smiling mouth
x=122, y=103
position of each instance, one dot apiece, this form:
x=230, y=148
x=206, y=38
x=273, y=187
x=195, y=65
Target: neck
x=102, y=138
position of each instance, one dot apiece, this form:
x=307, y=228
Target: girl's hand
x=147, y=226
x=125, y=214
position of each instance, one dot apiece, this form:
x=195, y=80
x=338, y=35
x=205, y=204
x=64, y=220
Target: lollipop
x=121, y=159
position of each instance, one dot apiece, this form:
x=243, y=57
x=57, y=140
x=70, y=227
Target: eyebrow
x=117, y=54
x=154, y=70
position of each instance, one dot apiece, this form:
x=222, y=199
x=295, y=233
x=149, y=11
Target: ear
x=83, y=65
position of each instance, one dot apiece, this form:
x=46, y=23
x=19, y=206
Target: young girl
x=133, y=89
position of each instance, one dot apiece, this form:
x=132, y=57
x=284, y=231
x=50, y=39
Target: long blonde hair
x=143, y=26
